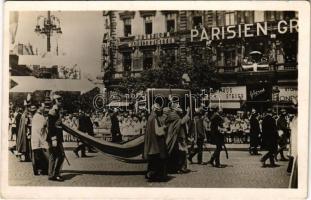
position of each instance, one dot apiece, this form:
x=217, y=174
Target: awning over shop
x=118, y=104
x=226, y=105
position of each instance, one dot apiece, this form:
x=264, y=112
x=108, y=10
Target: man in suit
x=197, y=129
x=216, y=138
x=55, y=141
x=254, y=133
x=269, y=138
x=81, y=127
x=115, y=127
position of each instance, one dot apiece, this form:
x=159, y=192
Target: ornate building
x=254, y=51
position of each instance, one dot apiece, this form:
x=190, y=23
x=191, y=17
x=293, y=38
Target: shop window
x=230, y=18
x=170, y=25
x=197, y=21
x=148, y=60
x=148, y=25
x=127, y=61
x=127, y=27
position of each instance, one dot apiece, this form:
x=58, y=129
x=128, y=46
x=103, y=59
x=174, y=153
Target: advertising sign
x=258, y=93
x=233, y=93
x=286, y=94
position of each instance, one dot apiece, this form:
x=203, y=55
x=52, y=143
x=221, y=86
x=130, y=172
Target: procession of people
x=172, y=137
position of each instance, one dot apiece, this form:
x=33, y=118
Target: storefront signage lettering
x=255, y=93
x=234, y=93
x=243, y=30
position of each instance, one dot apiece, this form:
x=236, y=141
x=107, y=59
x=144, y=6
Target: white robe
x=38, y=132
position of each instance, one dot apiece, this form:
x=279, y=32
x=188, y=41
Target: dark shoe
x=284, y=159
x=76, y=153
x=219, y=166
x=83, y=155
x=274, y=165
x=92, y=151
x=263, y=163
x=57, y=178
x=211, y=163
x=183, y=171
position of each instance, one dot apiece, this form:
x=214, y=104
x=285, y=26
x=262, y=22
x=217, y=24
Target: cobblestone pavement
x=100, y=170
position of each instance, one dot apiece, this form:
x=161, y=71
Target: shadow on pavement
x=114, y=173
x=70, y=176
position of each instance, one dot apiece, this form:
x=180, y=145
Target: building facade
x=255, y=52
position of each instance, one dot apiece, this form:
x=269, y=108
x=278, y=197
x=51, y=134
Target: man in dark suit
x=197, y=129
x=254, y=133
x=217, y=138
x=55, y=141
x=269, y=138
x=115, y=127
x=82, y=126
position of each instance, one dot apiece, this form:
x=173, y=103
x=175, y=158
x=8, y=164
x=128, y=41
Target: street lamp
x=51, y=24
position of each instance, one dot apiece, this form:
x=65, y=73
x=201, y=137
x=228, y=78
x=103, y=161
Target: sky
x=80, y=41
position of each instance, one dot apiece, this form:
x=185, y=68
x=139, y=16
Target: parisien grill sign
x=243, y=30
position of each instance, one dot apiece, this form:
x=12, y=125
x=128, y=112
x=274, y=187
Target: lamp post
x=50, y=25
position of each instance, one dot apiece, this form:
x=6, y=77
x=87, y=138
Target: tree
x=203, y=73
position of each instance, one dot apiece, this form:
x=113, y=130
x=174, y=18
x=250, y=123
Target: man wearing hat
x=22, y=141
x=55, y=140
x=198, y=132
x=176, y=139
x=284, y=134
x=254, y=133
x=40, y=159
x=217, y=138
x=155, y=150
x=269, y=138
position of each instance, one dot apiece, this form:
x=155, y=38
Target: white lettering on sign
x=234, y=93
x=246, y=30
x=255, y=93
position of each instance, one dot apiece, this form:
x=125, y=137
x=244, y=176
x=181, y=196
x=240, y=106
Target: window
x=249, y=17
x=148, y=25
x=259, y=16
x=127, y=61
x=289, y=15
x=127, y=27
x=197, y=21
x=147, y=60
x=219, y=18
x=170, y=25
x=270, y=15
x=230, y=18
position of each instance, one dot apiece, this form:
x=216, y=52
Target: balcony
x=281, y=67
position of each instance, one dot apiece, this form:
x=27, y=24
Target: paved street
x=242, y=170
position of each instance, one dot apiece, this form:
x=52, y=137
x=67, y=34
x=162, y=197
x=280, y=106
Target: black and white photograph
x=156, y=97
